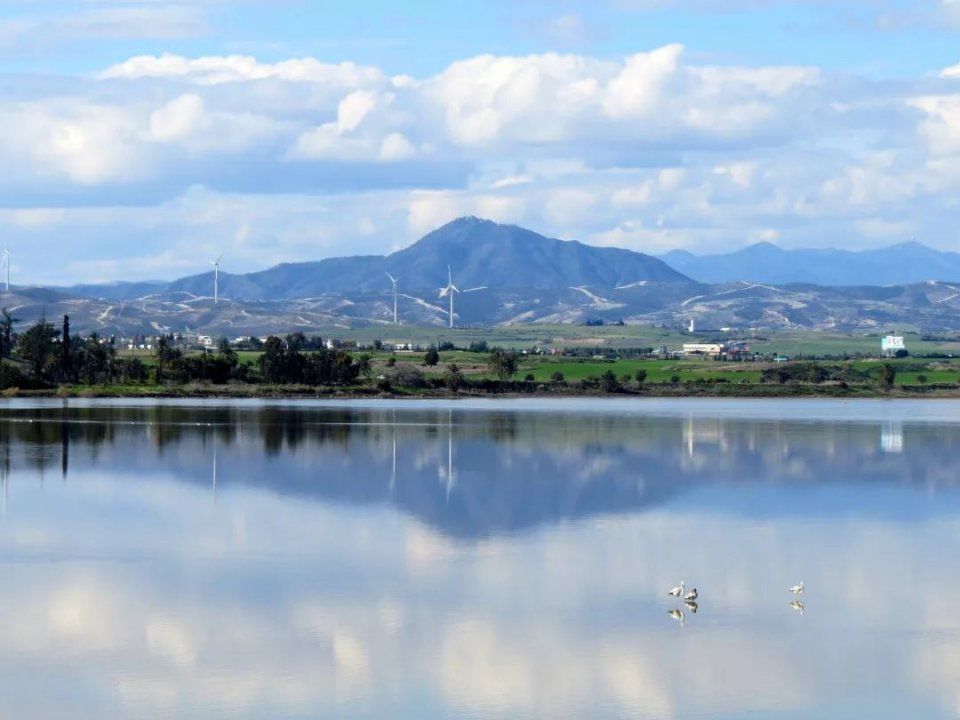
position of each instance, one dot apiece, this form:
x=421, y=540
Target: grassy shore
x=516, y=390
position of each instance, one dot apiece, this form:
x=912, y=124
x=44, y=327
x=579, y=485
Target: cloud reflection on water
x=307, y=586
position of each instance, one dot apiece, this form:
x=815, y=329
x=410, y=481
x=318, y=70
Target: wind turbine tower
x=6, y=265
x=394, y=281
x=449, y=291
x=216, y=279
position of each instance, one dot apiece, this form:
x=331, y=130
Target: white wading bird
x=797, y=589
x=690, y=596
x=677, y=591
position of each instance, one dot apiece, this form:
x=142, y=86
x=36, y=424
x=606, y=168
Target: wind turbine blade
x=392, y=278
x=476, y=289
x=219, y=259
x=449, y=276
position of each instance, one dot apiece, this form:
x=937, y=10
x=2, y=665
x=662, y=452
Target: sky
x=143, y=138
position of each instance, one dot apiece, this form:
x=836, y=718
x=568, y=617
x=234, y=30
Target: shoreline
x=688, y=390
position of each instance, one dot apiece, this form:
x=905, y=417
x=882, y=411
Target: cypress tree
x=66, y=356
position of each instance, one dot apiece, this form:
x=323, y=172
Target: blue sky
x=145, y=135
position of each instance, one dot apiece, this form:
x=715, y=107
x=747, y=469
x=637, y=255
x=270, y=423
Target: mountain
x=510, y=275
x=480, y=252
x=902, y=264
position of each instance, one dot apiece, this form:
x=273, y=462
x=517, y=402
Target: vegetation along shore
x=46, y=360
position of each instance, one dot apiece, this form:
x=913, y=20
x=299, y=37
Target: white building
x=891, y=345
x=702, y=348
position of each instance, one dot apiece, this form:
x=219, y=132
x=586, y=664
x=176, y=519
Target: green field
x=796, y=345
x=543, y=367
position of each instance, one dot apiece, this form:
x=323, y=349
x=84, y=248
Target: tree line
x=45, y=355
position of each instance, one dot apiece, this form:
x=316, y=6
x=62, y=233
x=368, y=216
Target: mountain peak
x=763, y=245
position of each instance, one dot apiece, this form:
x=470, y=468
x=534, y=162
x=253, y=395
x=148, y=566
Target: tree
x=296, y=341
x=502, y=363
x=609, y=382
x=364, y=365
x=432, y=357
x=37, y=346
x=165, y=355
x=226, y=350
x=557, y=378
x=453, y=377
x=640, y=376
x=66, y=356
x=273, y=361
x=887, y=376
x=922, y=379
x=7, y=336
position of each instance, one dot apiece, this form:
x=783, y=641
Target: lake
x=479, y=559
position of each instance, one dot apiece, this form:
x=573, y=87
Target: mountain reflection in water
x=474, y=473
x=432, y=561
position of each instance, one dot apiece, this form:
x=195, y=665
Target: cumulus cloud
x=651, y=150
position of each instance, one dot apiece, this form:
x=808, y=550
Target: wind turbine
x=450, y=290
x=394, y=281
x=6, y=264
x=216, y=279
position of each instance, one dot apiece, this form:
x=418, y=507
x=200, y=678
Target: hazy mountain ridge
x=480, y=252
x=527, y=278
x=901, y=264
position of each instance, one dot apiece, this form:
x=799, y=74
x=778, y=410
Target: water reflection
x=491, y=472
x=277, y=562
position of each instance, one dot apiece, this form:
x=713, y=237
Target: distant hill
x=480, y=252
x=523, y=277
x=901, y=264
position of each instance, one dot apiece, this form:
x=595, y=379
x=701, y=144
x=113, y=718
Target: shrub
x=453, y=378
x=432, y=357
x=609, y=382
x=11, y=377
x=557, y=377
x=640, y=376
x=406, y=376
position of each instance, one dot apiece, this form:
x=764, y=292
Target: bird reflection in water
x=692, y=606
x=677, y=615
x=798, y=606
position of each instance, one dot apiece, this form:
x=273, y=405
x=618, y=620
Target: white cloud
x=396, y=147
x=178, y=119
x=241, y=68
x=648, y=150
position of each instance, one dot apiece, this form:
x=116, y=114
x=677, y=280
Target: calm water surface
x=485, y=560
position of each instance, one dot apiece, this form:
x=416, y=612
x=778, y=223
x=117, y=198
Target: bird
x=690, y=596
x=677, y=591
x=676, y=615
x=691, y=606
x=797, y=589
x=798, y=606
